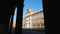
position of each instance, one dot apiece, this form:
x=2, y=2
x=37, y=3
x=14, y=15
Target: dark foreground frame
x=19, y=5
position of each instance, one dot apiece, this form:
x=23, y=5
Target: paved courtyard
x=32, y=32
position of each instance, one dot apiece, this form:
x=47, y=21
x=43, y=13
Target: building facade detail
x=33, y=20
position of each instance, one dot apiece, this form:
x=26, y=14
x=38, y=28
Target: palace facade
x=33, y=20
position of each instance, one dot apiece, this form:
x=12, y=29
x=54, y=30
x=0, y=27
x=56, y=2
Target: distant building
x=14, y=25
x=33, y=20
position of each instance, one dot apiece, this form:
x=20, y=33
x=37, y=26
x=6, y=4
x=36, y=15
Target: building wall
x=35, y=20
x=38, y=20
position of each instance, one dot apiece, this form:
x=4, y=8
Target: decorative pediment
x=29, y=12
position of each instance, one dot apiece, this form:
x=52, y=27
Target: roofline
x=34, y=13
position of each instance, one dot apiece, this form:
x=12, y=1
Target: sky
x=14, y=18
x=35, y=5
